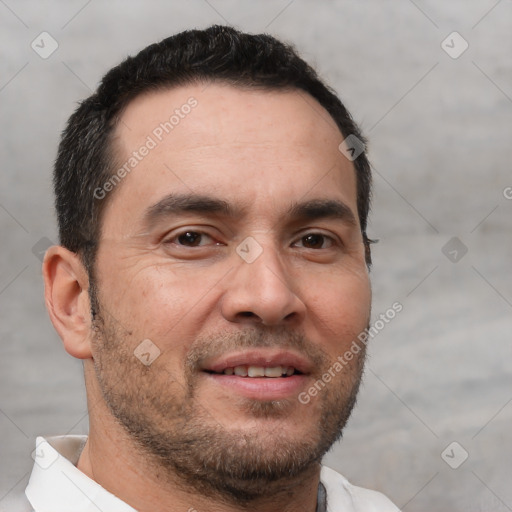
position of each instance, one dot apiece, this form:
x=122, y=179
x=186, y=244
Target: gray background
x=440, y=132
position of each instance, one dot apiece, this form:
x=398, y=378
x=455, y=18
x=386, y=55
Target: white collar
x=57, y=485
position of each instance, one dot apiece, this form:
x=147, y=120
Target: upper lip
x=258, y=357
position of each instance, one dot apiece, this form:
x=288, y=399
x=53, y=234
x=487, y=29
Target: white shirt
x=56, y=485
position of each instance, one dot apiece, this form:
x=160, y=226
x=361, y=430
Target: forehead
x=249, y=145
x=223, y=110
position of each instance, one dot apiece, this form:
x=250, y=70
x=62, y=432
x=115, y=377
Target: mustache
x=217, y=344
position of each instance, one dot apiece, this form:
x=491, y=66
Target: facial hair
x=177, y=433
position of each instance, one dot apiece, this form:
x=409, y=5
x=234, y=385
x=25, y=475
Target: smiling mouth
x=251, y=371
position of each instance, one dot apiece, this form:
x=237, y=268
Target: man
x=213, y=266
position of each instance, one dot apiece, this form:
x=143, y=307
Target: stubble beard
x=176, y=433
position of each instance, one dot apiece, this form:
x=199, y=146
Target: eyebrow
x=323, y=209
x=178, y=204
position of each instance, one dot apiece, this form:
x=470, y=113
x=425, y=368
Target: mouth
x=252, y=371
x=260, y=374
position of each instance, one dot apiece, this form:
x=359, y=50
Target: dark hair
x=85, y=159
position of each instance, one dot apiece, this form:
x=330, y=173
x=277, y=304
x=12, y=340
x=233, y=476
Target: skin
x=260, y=152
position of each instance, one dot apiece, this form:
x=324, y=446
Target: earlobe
x=67, y=299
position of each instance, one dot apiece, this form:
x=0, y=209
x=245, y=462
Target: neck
x=119, y=465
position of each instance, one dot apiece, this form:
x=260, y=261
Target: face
x=233, y=251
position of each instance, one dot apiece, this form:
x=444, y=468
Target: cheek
x=162, y=302
x=342, y=309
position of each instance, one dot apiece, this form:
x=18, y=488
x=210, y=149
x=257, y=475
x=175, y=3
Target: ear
x=67, y=299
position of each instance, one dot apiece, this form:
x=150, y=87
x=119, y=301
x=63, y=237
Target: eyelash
x=177, y=235
x=332, y=240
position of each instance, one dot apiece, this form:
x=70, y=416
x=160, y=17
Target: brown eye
x=316, y=241
x=190, y=238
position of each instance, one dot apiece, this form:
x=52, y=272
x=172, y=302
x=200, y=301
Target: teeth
x=276, y=371
x=260, y=371
x=241, y=371
x=256, y=371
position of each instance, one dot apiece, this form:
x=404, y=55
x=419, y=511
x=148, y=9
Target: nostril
x=246, y=314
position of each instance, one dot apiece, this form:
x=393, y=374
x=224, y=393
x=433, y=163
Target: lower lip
x=261, y=388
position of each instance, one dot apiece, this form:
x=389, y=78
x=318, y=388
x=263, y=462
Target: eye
x=190, y=239
x=316, y=241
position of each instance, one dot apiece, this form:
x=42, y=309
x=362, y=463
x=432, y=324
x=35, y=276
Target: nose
x=261, y=292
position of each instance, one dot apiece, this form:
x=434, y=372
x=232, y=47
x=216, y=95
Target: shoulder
x=341, y=493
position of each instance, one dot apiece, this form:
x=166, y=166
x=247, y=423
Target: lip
x=259, y=388
x=259, y=357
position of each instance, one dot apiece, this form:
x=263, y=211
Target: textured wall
x=440, y=127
